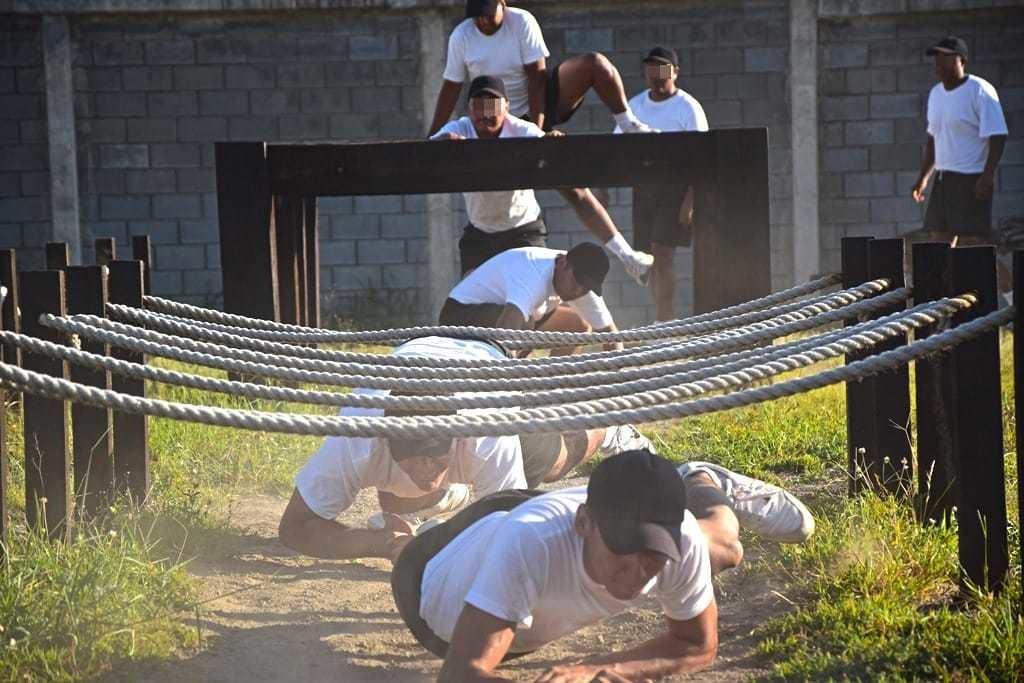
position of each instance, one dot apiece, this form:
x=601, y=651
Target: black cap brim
x=937, y=50
x=626, y=537
x=657, y=60
x=488, y=91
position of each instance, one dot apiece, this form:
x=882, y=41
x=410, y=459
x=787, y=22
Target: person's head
x=630, y=524
x=488, y=105
x=486, y=14
x=661, y=68
x=424, y=460
x=950, y=55
x=580, y=270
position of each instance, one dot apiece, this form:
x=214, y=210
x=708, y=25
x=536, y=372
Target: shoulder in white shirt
x=680, y=112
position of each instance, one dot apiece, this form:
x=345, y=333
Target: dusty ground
x=277, y=616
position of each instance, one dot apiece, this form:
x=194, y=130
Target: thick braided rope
x=238, y=338
x=175, y=308
x=494, y=423
x=226, y=358
x=814, y=350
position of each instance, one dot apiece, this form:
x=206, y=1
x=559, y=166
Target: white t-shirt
x=335, y=474
x=518, y=42
x=526, y=567
x=524, y=277
x=961, y=121
x=680, y=112
x=502, y=210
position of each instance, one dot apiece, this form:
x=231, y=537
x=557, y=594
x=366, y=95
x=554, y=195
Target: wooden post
x=978, y=431
x=142, y=250
x=1018, y=395
x=248, y=241
x=288, y=211
x=3, y=456
x=935, y=392
x=11, y=320
x=47, y=457
x=861, y=438
x=312, y=261
x=92, y=427
x=58, y=255
x=891, y=464
x=131, y=451
x=106, y=250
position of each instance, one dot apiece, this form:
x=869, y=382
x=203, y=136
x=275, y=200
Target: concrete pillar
x=442, y=251
x=803, y=84
x=60, y=124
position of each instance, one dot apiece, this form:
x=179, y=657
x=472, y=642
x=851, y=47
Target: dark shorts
x=540, y=453
x=407, y=575
x=656, y=217
x=552, y=90
x=469, y=315
x=954, y=210
x=476, y=246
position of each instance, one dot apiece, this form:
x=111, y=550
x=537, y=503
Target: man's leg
x=664, y=281
x=564, y=319
x=596, y=219
x=579, y=74
x=709, y=504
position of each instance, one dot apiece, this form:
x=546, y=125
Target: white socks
x=626, y=118
x=619, y=246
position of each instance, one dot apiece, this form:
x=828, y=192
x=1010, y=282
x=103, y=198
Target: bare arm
x=536, y=89
x=612, y=346
x=594, y=217
x=511, y=318
x=447, y=98
x=479, y=643
x=927, y=165
x=303, y=530
x=987, y=182
x=389, y=502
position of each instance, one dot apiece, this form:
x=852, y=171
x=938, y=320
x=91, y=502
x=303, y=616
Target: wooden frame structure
x=266, y=196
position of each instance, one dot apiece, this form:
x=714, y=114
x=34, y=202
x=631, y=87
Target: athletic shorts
x=540, y=453
x=552, y=89
x=477, y=246
x=656, y=217
x=407, y=575
x=954, y=210
x=469, y=315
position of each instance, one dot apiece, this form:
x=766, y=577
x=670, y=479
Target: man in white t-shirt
x=535, y=288
x=966, y=136
x=513, y=572
x=660, y=222
x=506, y=43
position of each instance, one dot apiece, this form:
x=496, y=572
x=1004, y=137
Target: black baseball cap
x=589, y=265
x=950, y=45
x=475, y=8
x=487, y=85
x=638, y=501
x=662, y=55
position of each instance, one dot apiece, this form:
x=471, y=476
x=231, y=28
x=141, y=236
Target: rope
x=595, y=414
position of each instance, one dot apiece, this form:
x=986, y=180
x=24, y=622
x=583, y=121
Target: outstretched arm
x=447, y=98
x=479, y=643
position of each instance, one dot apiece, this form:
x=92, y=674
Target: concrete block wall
x=874, y=80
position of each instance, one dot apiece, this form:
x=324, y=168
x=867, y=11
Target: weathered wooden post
x=11, y=319
x=58, y=255
x=311, y=261
x=290, y=228
x=92, y=427
x=142, y=250
x=3, y=452
x=1018, y=396
x=47, y=457
x=106, y=250
x=861, y=438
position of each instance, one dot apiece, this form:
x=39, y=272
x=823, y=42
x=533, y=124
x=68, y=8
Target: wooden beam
x=142, y=250
x=106, y=250
x=248, y=242
x=288, y=211
x=861, y=439
x=47, y=456
x=58, y=255
x=1018, y=398
x=11, y=319
x=92, y=427
x=312, y=262
x=4, y=396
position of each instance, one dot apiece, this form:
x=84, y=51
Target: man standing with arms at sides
x=507, y=43
x=660, y=222
x=966, y=136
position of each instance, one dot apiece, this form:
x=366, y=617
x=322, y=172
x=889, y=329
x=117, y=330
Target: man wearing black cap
x=535, y=288
x=660, y=222
x=966, y=136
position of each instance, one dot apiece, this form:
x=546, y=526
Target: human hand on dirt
x=580, y=674
x=397, y=544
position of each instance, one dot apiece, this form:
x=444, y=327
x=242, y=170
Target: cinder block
x=101, y=130
x=899, y=52
x=1011, y=178
x=831, y=134
x=380, y=99
x=380, y=251
x=337, y=252
x=171, y=103
x=910, y=130
x=166, y=282
x=749, y=86
x=764, y=59
x=117, y=53
x=116, y=229
x=213, y=256
x=404, y=126
x=869, y=184
x=149, y=182
x=198, y=77
x=832, y=82
x=325, y=100
x=373, y=48
x=174, y=257
x=250, y=76
x=416, y=251
x=860, y=81
x=85, y=105
x=118, y=104
x=589, y=40
x=151, y=130
x=356, y=277
x=125, y=207
x=124, y=156
x=269, y=102
x=766, y=30
x=304, y=127
x=252, y=128
x=176, y=155
x=300, y=75
x=92, y=181
x=220, y=50
x=203, y=231
x=895, y=209
x=202, y=129
x=895, y=106
x=170, y=52
x=400, y=72
x=350, y=73
x=403, y=225
x=196, y=180
x=32, y=131
x=919, y=78
x=899, y=157
x=323, y=48
x=718, y=61
x=844, y=108
x=765, y=111
x=402, y=277
x=10, y=184
x=202, y=281
x=843, y=56
x=6, y=79
x=378, y=204
x=723, y=113
x=869, y=133
x=32, y=157
x=845, y=211
x=160, y=232
x=327, y=206
x=9, y=131
x=353, y=126
x=840, y=160
x=210, y=204
x=224, y=103
x=414, y=203
x=355, y=226
x=93, y=79
x=22, y=209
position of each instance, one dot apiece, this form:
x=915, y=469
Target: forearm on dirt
x=330, y=540
x=663, y=656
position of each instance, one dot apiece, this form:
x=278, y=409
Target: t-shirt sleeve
x=512, y=577
x=455, y=67
x=455, y=126
x=500, y=465
x=331, y=479
x=686, y=589
x=700, y=119
x=990, y=113
x=593, y=310
x=531, y=40
x=929, y=109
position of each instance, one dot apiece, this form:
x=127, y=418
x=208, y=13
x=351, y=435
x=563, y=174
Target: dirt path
x=279, y=616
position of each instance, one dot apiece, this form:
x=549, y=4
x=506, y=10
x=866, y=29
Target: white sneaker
x=626, y=438
x=767, y=510
x=636, y=126
x=456, y=497
x=638, y=266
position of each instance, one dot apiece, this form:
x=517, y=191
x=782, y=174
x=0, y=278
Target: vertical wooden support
x=248, y=242
x=737, y=233
x=312, y=238
x=891, y=464
x=1018, y=396
x=58, y=255
x=978, y=435
x=288, y=211
x=303, y=271
x=142, y=250
x=131, y=451
x=92, y=427
x=11, y=319
x=861, y=440
x=106, y=250
x=47, y=456
x=935, y=392
x=3, y=454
